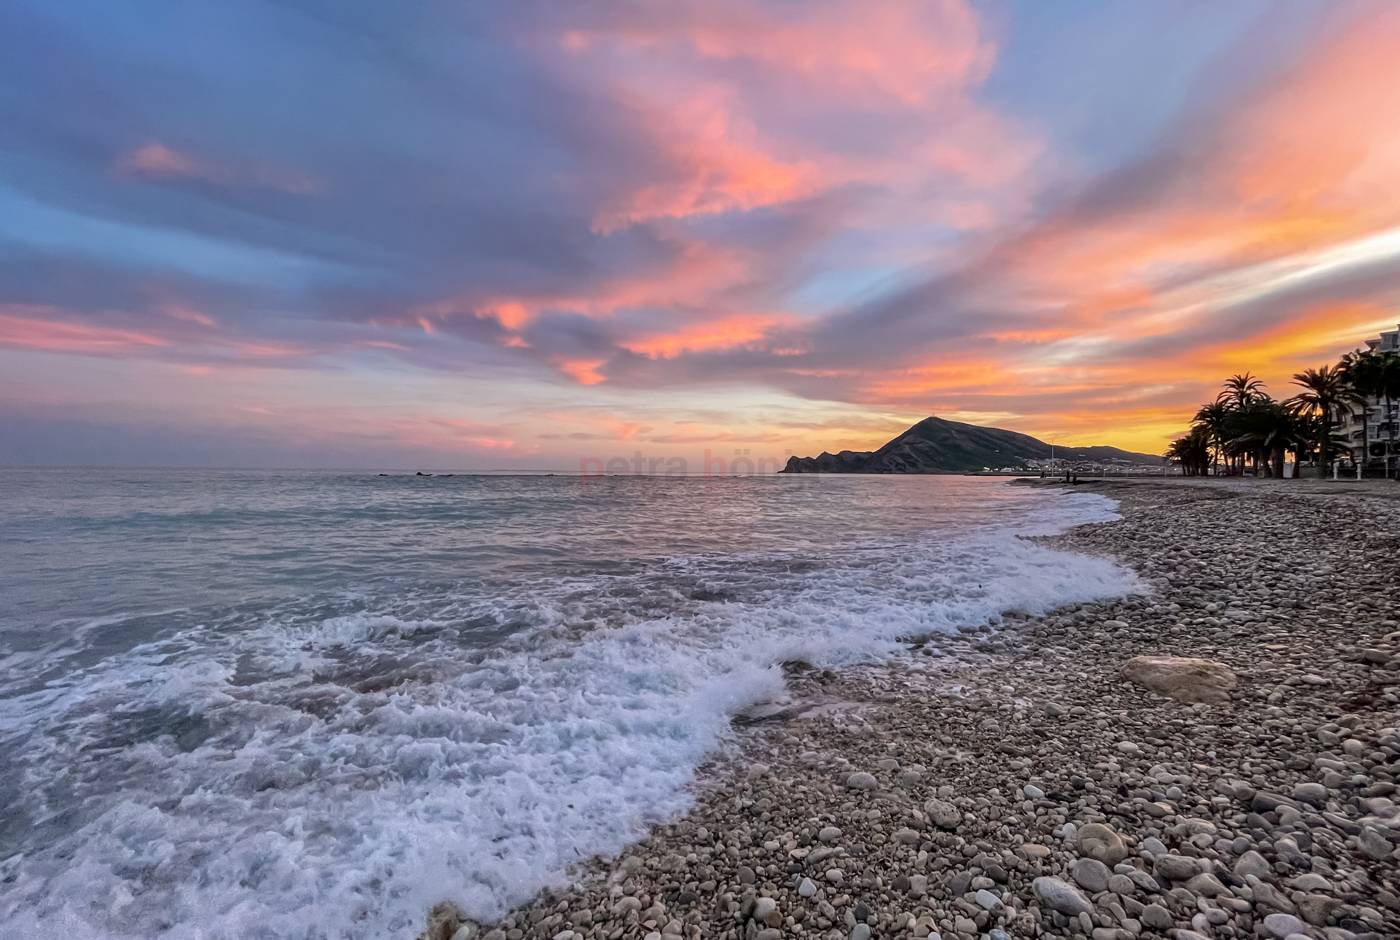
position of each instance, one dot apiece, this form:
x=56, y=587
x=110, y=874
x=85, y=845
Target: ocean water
x=305, y=705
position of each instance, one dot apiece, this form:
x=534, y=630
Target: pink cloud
x=582, y=371
x=188, y=314
x=908, y=50
x=718, y=163
x=729, y=93
x=29, y=327
x=720, y=332
x=156, y=160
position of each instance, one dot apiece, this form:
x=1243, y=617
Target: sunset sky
x=525, y=234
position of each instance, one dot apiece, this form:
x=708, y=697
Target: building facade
x=1371, y=432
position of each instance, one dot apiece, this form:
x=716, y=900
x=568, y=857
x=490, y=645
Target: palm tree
x=1263, y=430
x=1326, y=396
x=1213, y=418
x=1239, y=390
x=1192, y=451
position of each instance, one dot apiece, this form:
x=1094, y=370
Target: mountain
x=935, y=445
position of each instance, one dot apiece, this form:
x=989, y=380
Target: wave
x=319, y=774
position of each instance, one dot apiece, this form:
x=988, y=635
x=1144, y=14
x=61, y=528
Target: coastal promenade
x=1011, y=782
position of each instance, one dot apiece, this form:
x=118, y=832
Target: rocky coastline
x=1042, y=779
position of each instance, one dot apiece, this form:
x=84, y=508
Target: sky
x=478, y=235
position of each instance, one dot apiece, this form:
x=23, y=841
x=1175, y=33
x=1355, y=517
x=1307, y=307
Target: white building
x=1386, y=342
x=1378, y=424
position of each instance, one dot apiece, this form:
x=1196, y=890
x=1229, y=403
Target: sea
x=256, y=704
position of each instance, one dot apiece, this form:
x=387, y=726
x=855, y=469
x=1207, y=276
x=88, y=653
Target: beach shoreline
x=1010, y=782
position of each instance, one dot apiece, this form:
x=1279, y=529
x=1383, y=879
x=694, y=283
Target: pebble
x=1100, y=842
x=1090, y=874
x=1283, y=925
x=1031, y=790
x=1060, y=896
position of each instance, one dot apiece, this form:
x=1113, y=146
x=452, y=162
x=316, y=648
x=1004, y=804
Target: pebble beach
x=1214, y=757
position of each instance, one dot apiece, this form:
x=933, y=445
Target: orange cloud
x=582, y=371
x=1230, y=251
x=1316, y=334
x=725, y=332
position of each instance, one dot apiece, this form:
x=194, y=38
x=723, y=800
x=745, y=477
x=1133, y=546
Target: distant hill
x=935, y=445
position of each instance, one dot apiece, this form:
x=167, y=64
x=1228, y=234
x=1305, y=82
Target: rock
x=829, y=834
x=1312, y=881
x=1281, y=925
x=1100, y=842
x=1060, y=896
x=1183, y=679
x=1206, y=885
x=860, y=932
x=1374, y=843
x=986, y=900
x=907, y=836
x=806, y=888
x=1156, y=916
x=860, y=780
x=1267, y=895
x=1314, y=794
x=943, y=815
x=765, y=910
x=443, y=921
x=1316, y=909
x=1090, y=874
x=1266, y=802
x=1252, y=863
x=1176, y=867
x=626, y=905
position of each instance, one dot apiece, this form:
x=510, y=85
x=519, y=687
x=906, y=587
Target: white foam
x=294, y=806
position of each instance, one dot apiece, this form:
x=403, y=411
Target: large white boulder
x=1183, y=678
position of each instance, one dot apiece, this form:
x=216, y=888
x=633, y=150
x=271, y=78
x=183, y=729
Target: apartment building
x=1379, y=425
